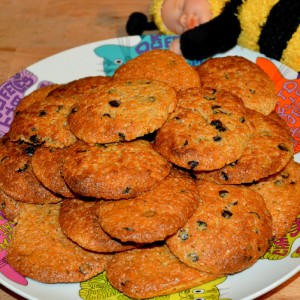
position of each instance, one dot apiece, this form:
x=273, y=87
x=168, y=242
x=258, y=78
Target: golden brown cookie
x=208, y=129
x=229, y=232
x=150, y=272
x=43, y=123
x=269, y=149
x=10, y=207
x=281, y=193
x=79, y=222
x=47, y=167
x=41, y=117
x=114, y=171
x=162, y=65
x=16, y=176
x=39, y=249
x=76, y=89
x=122, y=112
x=35, y=96
x=241, y=77
x=155, y=214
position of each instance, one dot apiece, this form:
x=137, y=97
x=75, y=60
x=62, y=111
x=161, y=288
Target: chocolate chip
x=128, y=228
x=282, y=147
x=59, y=107
x=224, y=176
x=114, y=103
x=183, y=234
x=211, y=96
x=216, y=109
x=151, y=99
x=201, y=225
x=193, y=256
x=279, y=182
x=218, y=125
x=255, y=214
x=217, y=138
x=285, y=174
x=85, y=268
x=223, y=193
x=121, y=136
x=30, y=150
x=106, y=115
x=127, y=190
x=34, y=139
x=123, y=283
x=100, y=146
x=226, y=214
x=193, y=164
x=42, y=113
x=74, y=109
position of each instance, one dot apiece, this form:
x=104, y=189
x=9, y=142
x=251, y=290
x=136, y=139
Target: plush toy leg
x=282, y=23
x=291, y=54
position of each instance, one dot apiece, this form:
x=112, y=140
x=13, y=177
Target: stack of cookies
x=165, y=176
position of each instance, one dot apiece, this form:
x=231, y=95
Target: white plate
x=102, y=58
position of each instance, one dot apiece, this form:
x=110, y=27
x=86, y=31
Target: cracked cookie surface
x=123, y=111
x=229, y=231
x=113, y=171
x=208, y=130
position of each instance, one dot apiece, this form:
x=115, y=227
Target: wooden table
x=31, y=30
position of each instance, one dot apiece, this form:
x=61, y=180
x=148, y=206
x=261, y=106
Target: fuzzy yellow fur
x=217, y=6
x=253, y=14
x=291, y=55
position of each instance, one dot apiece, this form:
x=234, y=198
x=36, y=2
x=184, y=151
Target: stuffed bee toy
x=208, y=27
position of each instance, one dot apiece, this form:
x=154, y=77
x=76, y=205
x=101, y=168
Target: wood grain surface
x=31, y=30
